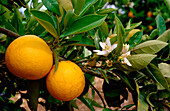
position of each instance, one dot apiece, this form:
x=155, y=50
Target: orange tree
x=77, y=31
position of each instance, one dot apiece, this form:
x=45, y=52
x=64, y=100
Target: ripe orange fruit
x=67, y=82
x=130, y=14
x=131, y=33
x=149, y=14
x=150, y=28
x=29, y=57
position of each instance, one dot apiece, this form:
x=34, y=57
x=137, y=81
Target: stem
x=9, y=33
x=97, y=93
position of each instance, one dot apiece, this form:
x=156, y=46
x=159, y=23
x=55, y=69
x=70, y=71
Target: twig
x=9, y=33
x=97, y=93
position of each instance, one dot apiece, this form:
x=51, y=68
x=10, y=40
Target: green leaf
x=164, y=68
x=33, y=93
x=82, y=40
x=124, y=77
x=84, y=24
x=68, y=18
x=74, y=104
x=153, y=34
x=86, y=6
x=160, y=22
x=105, y=11
x=135, y=39
x=142, y=104
x=79, y=6
x=56, y=59
x=104, y=29
x=149, y=47
x=87, y=103
x=120, y=31
x=165, y=36
x=46, y=21
x=134, y=25
x=127, y=106
x=158, y=75
x=96, y=40
x=140, y=61
x=2, y=49
x=148, y=98
x=94, y=103
x=52, y=5
x=106, y=109
x=104, y=75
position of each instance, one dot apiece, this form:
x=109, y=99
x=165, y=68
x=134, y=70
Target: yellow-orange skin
x=130, y=14
x=67, y=82
x=29, y=57
x=149, y=14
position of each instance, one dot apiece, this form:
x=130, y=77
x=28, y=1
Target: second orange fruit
x=67, y=82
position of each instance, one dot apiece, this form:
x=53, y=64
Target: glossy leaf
x=96, y=40
x=105, y=11
x=106, y=109
x=56, y=59
x=46, y=21
x=134, y=25
x=104, y=75
x=52, y=5
x=66, y=4
x=79, y=6
x=68, y=18
x=164, y=68
x=165, y=36
x=87, y=103
x=149, y=47
x=142, y=104
x=153, y=34
x=148, y=98
x=120, y=31
x=84, y=24
x=140, y=61
x=160, y=22
x=82, y=40
x=158, y=75
x=135, y=39
x=87, y=5
x=141, y=101
x=94, y=103
x=124, y=77
x=104, y=29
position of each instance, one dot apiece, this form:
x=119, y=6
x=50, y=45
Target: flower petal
x=108, y=41
x=96, y=50
x=102, y=45
x=113, y=47
x=104, y=53
x=127, y=61
x=128, y=53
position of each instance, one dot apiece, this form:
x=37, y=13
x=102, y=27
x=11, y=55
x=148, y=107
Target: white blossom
x=124, y=54
x=106, y=48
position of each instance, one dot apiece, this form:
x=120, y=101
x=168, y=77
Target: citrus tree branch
x=9, y=33
x=97, y=93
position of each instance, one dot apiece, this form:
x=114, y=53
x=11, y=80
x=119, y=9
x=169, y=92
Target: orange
x=67, y=82
x=29, y=57
x=131, y=33
x=150, y=28
x=149, y=14
x=130, y=14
